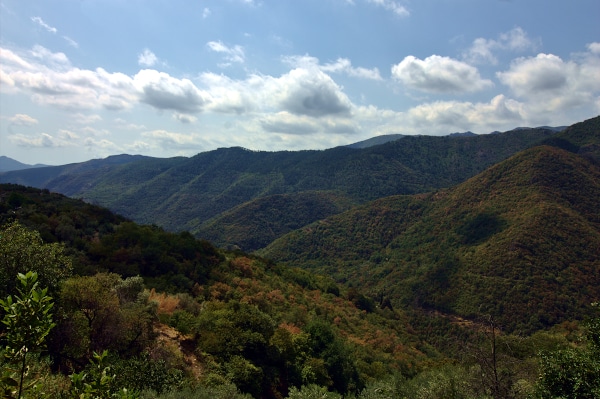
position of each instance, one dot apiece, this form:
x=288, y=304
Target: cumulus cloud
x=437, y=74
x=311, y=93
x=482, y=50
x=147, y=58
x=302, y=91
x=532, y=76
x=165, y=92
x=233, y=54
x=51, y=80
x=42, y=140
x=551, y=83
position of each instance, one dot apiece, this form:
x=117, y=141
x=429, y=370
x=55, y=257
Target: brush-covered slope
x=183, y=194
x=520, y=241
x=229, y=305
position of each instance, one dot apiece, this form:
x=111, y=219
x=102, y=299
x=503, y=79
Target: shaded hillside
x=520, y=241
x=257, y=223
x=183, y=194
x=583, y=138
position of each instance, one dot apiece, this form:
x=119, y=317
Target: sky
x=84, y=79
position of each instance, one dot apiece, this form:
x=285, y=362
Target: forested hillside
x=192, y=193
x=520, y=241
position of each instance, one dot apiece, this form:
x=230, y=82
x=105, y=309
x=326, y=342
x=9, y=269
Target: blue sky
x=82, y=79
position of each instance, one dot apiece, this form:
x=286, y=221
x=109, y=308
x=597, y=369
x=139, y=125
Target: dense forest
x=485, y=289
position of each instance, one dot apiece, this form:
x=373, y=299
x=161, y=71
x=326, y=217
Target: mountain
x=62, y=178
x=8, y=164
x=376, y=140
x=519, y=242
x=186, y=193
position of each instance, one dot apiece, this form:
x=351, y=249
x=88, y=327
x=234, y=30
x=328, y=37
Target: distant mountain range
x=8, y=164
x=194, y=193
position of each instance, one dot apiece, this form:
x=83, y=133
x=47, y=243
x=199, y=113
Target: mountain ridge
x=530, y=221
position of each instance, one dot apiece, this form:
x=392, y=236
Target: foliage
x=97, y=382
x=223, y=391
x=22, y=250
x=28, y=322
x=572, y=372
x=102, y=312
x=312, y=392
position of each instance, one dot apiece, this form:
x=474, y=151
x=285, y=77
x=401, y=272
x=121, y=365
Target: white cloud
x=532, y=76
x=85, y=119
x=164, y=139
x=22, y=120
x=312, y=93
x=51, y=80
x=482, y=50
x=233, y=54
x=45, y=55
x=594, y=48
x=123, y=124
x=206, y=13
x=341, y=65
x=302, y=91
x=44, y=25
x=437, y=74
x=165, y=92
x=551, y=84
x=285, y=122
x=232, y=96
x=392, y=6
x=67, y=135
x=147, y=58
x=71, y=42
x=42, y=140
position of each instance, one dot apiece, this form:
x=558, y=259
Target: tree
x=22, y=250
x=103, y=312
x=28, y=322
x=573, y=372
